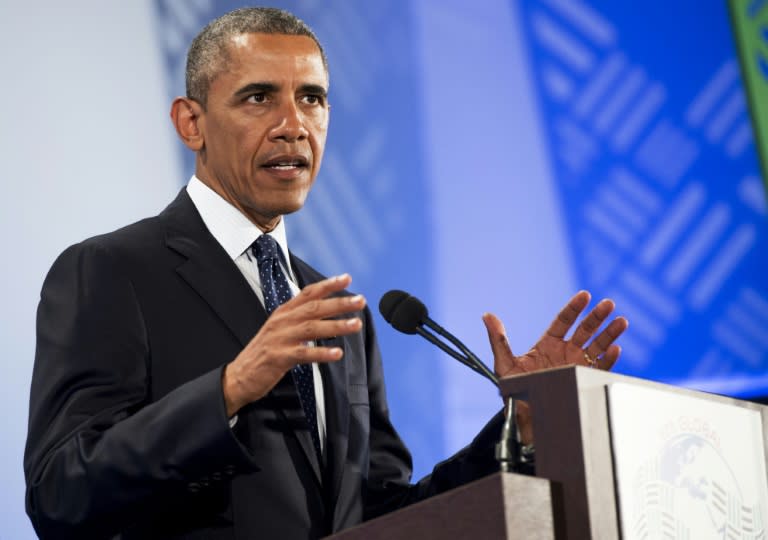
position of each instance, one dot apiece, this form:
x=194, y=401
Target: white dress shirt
x=236, y=233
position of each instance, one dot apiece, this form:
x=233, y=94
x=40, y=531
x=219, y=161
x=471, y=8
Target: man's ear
x=186, y=116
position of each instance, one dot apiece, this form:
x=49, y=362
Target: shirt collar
x=233, y=230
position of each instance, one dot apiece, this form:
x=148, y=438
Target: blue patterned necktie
x=277, y=291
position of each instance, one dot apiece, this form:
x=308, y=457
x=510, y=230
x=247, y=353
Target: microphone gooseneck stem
x=480, y=367
x=446, y=349
x=409, y=315
x=508, y=447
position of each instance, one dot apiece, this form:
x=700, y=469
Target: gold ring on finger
x=591, y=362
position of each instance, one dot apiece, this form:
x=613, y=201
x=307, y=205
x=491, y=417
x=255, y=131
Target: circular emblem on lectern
x=688, y=491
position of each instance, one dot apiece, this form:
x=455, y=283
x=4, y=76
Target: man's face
x=265, y=125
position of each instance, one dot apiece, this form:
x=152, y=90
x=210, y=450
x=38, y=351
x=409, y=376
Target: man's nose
x=289, y=124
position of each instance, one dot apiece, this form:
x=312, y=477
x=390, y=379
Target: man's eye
x=257, y=98
x=313, y=99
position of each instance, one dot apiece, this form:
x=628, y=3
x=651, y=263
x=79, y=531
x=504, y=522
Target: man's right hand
x=281, y=343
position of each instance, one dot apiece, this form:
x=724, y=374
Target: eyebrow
x=256, y=88
x=313, y=89
x=268, y=87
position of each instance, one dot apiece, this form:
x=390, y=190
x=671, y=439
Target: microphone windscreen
x=389, y=302
x=408, y=315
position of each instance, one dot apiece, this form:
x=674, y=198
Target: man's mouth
x=286, y=163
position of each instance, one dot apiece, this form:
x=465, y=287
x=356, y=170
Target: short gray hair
x=208, y=55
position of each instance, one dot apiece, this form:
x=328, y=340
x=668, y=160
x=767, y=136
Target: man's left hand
x=554, y=350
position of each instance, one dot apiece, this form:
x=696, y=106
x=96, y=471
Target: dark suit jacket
x=128, y=434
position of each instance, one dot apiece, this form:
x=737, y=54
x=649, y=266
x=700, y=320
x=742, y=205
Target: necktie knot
x=265, y=249
x=274, y=284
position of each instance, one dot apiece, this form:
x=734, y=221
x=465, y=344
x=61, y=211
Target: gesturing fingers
x=322, y=289
x=305, y=354
x=568, y=315
x=321, y=308
x=592, y=322
x=293, y=325
x=607, y=361
x=601, y=352
x=318, y=301
x=602, y=347
x=503, y=359
x=322, y=329
x=283, y=341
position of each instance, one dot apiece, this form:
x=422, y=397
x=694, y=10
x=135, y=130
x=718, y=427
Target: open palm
x=553, y=349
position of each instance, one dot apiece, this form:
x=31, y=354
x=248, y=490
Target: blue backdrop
x=650, y=140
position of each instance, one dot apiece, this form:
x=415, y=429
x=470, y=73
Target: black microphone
x=399, y=309
x=409, y=315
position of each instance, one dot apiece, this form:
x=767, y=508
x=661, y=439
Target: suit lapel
x=210, y=272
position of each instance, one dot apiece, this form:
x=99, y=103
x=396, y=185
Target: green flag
x=750, y=23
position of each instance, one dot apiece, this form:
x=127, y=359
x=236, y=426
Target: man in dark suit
x=186, y=385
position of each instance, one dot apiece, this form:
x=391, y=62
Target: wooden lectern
x=574, y=493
